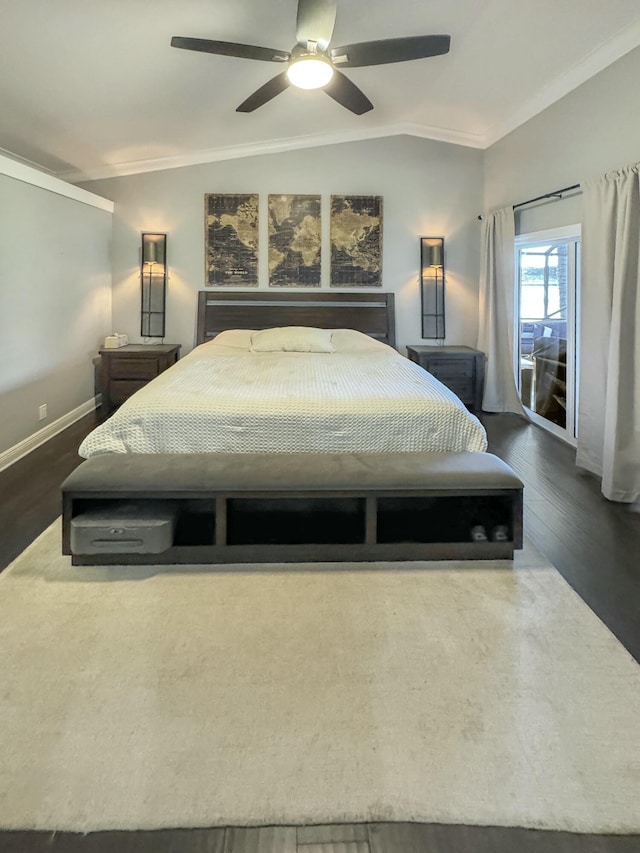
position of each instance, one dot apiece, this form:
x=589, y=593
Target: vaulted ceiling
x=90, y=88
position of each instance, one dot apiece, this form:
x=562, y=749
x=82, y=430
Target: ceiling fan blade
x=389, y=50
x=265, y=93
x=346, y=93
x=230, y=48
x=316, y=19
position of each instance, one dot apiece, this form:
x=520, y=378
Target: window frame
x=566, y=234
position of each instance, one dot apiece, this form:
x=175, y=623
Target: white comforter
x=364, y=397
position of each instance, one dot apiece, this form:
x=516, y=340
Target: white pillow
x=292, y=339
x=237, y=338
x=348, y=340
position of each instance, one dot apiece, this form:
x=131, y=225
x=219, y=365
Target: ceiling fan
x=311, y=64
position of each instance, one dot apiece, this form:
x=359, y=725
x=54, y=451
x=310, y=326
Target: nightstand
x=126, y=369
x=459, y=368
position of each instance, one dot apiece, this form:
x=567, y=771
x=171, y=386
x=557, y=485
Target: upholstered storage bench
x=254, y=507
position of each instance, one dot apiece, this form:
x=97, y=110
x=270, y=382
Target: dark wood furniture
x=289, y=507
x=550, y=381
x=126, y=369
x=459, y=368
x=258, y=507
x=370, y=313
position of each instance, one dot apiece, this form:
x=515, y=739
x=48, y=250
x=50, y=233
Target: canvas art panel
x=231, y=239
x=294, y=240
x=356, y=240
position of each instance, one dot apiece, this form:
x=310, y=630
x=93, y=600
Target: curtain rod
x=553, y=194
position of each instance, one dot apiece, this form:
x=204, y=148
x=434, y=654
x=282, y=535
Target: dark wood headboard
x=371, y=313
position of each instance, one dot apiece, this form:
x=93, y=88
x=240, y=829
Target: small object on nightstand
x=128, y=368
x=115, y=340
x=460, y=368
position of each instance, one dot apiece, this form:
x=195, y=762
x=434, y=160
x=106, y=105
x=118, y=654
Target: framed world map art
x=356, y=240
x=294, y=241
x=231, y=239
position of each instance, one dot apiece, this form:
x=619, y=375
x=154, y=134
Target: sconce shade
x=435, y=255
x=153, y=248
x=150, y=252
x=153, y=280
x=432, y=287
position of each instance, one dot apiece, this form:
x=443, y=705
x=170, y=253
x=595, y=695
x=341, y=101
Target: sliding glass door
x=547, y=292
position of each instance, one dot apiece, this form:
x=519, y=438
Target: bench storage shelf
x=239, y=508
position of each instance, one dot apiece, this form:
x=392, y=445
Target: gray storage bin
x=124, y=528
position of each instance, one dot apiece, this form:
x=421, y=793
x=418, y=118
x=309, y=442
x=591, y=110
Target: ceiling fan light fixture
x=310, y=72
x=313, y=64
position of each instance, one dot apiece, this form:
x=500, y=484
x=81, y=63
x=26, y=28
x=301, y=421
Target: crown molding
x=25, y=161
x=440, y=134
x=29, y=175
x=602, y=57
x=272, y=146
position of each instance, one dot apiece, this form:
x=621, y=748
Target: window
x=547, y=290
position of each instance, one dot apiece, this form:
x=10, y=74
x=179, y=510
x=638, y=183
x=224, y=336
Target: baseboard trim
x=8, y=457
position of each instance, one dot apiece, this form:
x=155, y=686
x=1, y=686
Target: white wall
x=590, y=131
x=55, y=297
x=428, y=188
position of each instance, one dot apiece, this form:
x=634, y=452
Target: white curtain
x=497, y=312
x=609, y=401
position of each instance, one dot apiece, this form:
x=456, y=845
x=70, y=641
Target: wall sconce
x=432, y=287
x=153, y=279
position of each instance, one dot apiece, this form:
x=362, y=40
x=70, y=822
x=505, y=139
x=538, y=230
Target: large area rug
x=463, y=693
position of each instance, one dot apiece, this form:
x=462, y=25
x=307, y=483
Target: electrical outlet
x=42, y=412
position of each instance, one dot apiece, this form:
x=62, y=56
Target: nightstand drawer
x=460, y=368
x=121, y=389
x=128, y=369
x=134, y=368
x=461, y=387
x=451, y=367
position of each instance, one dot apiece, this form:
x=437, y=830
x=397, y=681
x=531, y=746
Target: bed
x=290, y=373
x=293, y=431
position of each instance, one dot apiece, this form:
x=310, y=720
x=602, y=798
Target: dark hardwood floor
x=30, y=489
x=593, y=543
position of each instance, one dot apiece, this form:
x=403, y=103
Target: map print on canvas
x=356, y=240
x=294, y=241
x=231, y=239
